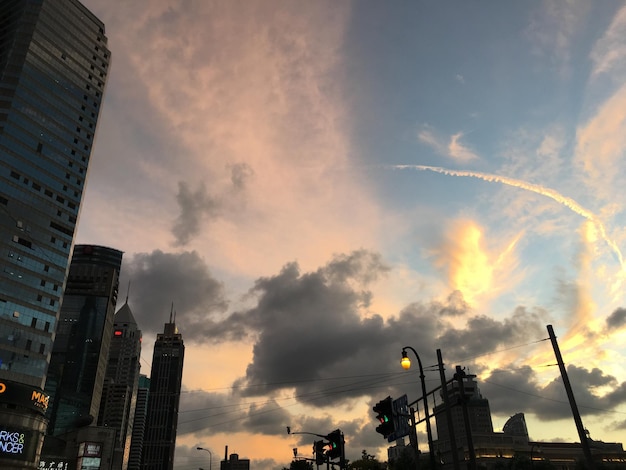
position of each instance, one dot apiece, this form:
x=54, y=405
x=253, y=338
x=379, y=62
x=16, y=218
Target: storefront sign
x=24, y=395
x=16, y=443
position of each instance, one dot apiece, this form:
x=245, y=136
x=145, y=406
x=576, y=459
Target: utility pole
x=572, y=402
x=446, y=399
x=459, y=376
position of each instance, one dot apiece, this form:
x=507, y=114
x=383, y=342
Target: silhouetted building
x=81, y=347
x=139, y=423
x=119, y=394
x=494, y=450
x=53, y=67
x=165, y=382
x=516, y=425
x=464, y=393
x=235, y=463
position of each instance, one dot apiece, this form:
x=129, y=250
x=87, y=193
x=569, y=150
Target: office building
x=163, y=401
x=139, y=423
x=81, y=348
x=119, y=395
x=53, y=68
x=466, y=393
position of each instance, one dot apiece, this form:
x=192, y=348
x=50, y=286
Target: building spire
x=171, y=312
x=127, y=292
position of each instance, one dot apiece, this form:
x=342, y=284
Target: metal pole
x=459, y=375
x=426, y=415
x=572, y=402
x=446, y=401
x=210, y=455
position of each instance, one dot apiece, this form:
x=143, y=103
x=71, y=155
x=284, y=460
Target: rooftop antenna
x=171, y=312
x=127, y=292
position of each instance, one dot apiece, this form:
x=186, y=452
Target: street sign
x=401, y=417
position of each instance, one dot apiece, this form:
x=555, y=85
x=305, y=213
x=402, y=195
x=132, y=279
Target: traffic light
x=335, y=441
x=384, y=414
x=319, y=449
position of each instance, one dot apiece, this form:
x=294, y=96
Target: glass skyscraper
x=83, y=339
x=54, y=62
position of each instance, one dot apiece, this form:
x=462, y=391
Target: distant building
x=163, y=400
x=235, y=463
x=139, y=423
x=463, y=391
x=495, y=449
x=81, y=348
x=119, y=394
x=53, y=67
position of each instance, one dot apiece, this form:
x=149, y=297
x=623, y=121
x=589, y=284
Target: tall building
x=466, y=393
x=139, y=423
x=81, y=348
x=119, y=395
x=53, y=66
x=165, y=382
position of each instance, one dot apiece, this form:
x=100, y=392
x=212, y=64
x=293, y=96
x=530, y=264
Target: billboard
x=24, y=395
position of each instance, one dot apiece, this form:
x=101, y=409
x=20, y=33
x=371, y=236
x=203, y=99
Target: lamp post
x=210, y=455
x=406, y=364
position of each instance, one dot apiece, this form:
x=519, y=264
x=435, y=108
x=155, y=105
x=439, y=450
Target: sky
x=311, y=186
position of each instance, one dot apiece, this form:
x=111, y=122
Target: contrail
x=535, y=188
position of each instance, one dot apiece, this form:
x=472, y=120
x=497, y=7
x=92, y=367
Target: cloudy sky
x=314, y=185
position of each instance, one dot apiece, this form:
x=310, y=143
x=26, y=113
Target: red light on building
x=118, y=333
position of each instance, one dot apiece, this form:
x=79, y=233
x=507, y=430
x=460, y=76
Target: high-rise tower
x=165, y=382
x=139, y=423
x=81, y=348
x=53, y=66
x=119, y=395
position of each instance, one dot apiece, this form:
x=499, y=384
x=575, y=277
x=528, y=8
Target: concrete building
x=466, y=394
x=119, y=394
x=165, y=382
x=54, y=63
x=234, y=463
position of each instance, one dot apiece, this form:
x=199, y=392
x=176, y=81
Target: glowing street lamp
x=405, y=362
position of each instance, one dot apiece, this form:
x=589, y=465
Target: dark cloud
x=194, y=206
x=314, y=337
x=482, y=334
x=197, y=205
x=158, y=280
x=240, y=174
x=517, y=390
x=617, y=319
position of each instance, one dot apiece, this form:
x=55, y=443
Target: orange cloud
x=601, y=144
x=472, y=268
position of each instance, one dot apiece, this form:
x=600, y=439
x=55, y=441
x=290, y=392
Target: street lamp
x=406, y=364
x=210, y=455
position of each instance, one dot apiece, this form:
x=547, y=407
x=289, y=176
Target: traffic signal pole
x=429, y=433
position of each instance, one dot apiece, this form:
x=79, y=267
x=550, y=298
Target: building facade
x=164, y=398
x=53, y=67
x=119, y=395
x=139, y=423
x=81, y=348
x=472, y=409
